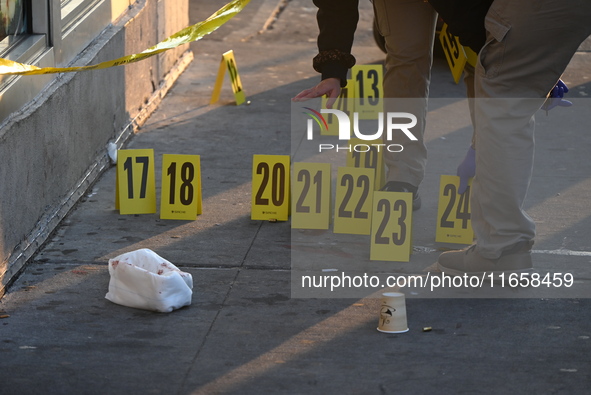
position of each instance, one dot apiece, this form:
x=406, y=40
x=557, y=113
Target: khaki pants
x=408, y=27
x=529, y=44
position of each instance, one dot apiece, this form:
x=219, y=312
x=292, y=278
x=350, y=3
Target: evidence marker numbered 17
x=136, y=182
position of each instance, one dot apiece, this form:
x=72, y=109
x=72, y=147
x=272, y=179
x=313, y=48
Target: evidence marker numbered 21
x=311, y=195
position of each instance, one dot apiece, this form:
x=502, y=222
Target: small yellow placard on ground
x=228, y=63
x=270, y=187
x=136, y=181
x=369, y=91
x=453, y=215
x=343, y=103
x=311, y=196
x=181, y=187
x=353, y=202
x=391, y=228
x=368, y=154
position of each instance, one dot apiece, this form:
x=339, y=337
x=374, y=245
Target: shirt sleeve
x=337, y=22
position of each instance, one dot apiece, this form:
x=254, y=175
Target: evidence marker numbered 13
x=270, y=187
x=136, y=182
x=391, y=228
x=181, y=187
x=368, y=81
x=454, y=223
x=311, y=195
x=353, y=202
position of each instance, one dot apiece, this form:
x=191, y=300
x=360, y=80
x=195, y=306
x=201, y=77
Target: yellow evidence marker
x=311, y=196
x=344, y=103
x=270, y=187
x=181, y=196
x=136, y=181
x=368, y=154
x=454, y=223
x=353, y=202
x=369, y=91
x=228, y=63
x=391, y=228
x=455, y=53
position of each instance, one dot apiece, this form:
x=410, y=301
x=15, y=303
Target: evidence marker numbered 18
x=136, y=181
x=391, y=228
x=454, y=223
x=270, y=187
x=181, y=187
x=353, y=202
x=311, y=195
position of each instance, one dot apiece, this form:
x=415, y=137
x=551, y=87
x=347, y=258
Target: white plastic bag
x=144, y=280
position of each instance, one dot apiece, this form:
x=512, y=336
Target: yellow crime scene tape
x=187, y=35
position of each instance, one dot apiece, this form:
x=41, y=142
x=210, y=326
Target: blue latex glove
x=467, y=169
x=555, y=98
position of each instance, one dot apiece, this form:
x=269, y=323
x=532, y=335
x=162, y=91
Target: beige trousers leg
x=408, y=27
x=529, y=44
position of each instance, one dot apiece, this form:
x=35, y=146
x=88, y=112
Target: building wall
x=55, y=147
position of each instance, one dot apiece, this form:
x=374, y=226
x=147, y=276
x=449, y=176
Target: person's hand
x=467, y=169
x=330, y=87
x=555, y=98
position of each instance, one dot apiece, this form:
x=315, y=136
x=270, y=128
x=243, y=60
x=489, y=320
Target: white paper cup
x=393, y=313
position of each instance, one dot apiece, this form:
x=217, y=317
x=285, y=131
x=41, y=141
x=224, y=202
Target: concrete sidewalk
x=243, y=332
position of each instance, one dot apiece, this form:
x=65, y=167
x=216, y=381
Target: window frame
x=59, y=30
x=72, y=10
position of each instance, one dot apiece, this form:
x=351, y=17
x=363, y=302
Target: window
x=48, y=33
x=17, y=44
x=72, y=9
x=12, y=18
x=13, y=22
